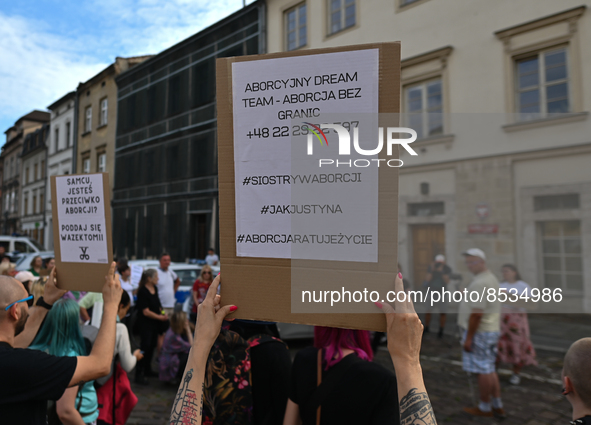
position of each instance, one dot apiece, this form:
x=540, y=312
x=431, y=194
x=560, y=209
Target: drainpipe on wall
x=75, y=141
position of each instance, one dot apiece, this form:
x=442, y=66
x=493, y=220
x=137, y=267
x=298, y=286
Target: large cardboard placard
x=81, y=210
x=262, y=288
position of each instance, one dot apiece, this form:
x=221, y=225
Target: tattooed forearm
x=415, y=409
x=185, y=409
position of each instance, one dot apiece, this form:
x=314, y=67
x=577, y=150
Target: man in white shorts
x=479, y=322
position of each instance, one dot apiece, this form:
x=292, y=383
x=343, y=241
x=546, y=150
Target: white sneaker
x=515, y=379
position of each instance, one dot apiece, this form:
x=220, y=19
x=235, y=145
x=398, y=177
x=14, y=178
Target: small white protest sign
x=136, y=275
x=82, y=233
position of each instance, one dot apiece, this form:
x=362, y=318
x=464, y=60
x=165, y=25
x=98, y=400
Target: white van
x=22, y=244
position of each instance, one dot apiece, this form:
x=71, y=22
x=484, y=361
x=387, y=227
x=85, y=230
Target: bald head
x=576, y=367
x=11, y=290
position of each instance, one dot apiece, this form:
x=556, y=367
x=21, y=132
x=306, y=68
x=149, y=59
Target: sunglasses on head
x=206, y=272
x=29, y=301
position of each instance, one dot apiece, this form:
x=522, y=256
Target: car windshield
x=22, y=259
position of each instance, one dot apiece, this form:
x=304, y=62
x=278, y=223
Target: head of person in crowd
x=124, y=270
x=210, y=251
x=510, y=273
x=2, y=250
x=27, y=279
x=249, y=328
x=50, y=263
x=124, y=305
x=440, y=259
x=37, y=263
x=14, y=310
x=206, y=275
x=178, y=322
x=576, y=377
x=61, y=335
x=334, y=340
x=475, y=260
x=7, y=268
x=165, y=261
x=37, y=290
x=149, y=277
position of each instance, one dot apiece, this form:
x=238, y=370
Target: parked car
x=19, y=244
x=24, y=261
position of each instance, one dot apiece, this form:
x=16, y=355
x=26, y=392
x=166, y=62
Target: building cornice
x=571, y=14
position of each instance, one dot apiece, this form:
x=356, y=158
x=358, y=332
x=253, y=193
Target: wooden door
x=428, y=240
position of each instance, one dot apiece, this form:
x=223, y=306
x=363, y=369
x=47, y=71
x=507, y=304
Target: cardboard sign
x=81, y=208
x=257, y=97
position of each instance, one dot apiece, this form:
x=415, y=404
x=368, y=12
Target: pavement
x=536, y=401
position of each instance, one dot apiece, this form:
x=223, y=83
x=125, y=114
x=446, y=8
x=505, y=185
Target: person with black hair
x=270, y=369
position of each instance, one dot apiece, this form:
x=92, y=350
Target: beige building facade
x=498, y=96
x=12, y=168
x=96, y=122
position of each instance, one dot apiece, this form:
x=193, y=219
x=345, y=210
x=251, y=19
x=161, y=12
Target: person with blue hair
x=61, y=336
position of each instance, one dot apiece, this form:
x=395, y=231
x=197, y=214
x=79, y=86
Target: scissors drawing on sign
x=84, y=255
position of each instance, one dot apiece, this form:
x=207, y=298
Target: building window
x=41, y=204
x=86, y=165
x=88, y=119
x=542, y=84
x=35, y=173
x=424, y=106
x=561, y=254
x=34, y=203
x=104, y=109
x=102, y=163
x=295, y=27
x=27, y=175
x=556, y=202
x=57, y=140
x=68, y=135
x=342, y=15
x=26, y=206
x=425, y=209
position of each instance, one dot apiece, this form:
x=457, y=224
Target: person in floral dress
x=515, y=346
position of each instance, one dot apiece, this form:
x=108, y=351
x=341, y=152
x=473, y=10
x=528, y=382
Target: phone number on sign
x=296, y=130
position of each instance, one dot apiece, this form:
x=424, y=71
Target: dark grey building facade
x=166, y=185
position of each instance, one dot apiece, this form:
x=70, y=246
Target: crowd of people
x=54, y=368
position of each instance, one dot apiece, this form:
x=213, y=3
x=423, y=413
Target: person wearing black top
x=576, y=380
x=270, y=370
x=29, y=378
x=153, y=322
x=365, y=394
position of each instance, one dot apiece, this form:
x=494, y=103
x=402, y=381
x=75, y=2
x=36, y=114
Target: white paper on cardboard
x=81, y=216
x=136, y=274
x=271, y=98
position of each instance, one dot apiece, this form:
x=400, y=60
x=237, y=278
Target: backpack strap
x=332, y=378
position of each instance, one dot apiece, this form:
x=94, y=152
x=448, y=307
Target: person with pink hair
x=333, y=379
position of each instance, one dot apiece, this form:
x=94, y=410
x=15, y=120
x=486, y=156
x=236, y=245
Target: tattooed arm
x=188, y=403
x=404, y=344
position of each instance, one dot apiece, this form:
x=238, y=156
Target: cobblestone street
x=536, y=401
